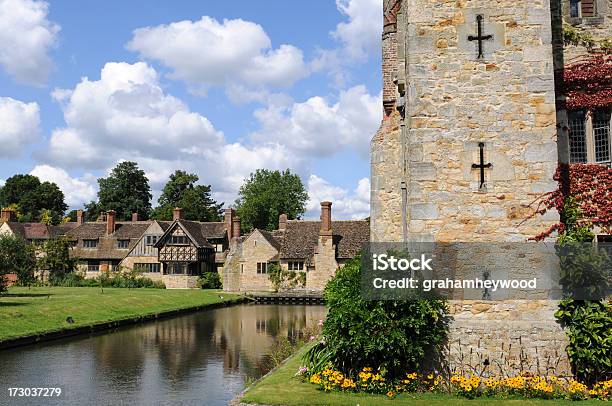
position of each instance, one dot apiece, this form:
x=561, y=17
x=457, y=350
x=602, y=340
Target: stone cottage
x=314, y=249
x=472, y=132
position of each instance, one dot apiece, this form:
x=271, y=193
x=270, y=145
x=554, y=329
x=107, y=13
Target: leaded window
x=577, y=137
x=151, y=240
x=150, y=268
x=295, y=266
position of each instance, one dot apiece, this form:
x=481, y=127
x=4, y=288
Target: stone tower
x=468, y=141
x=461, y=78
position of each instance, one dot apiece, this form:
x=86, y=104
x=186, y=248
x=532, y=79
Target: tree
x=268, y=194
x=92, y=211
x=56, y=258
x=126, y=190
x=195, y=200
x=18, y=257
x=33, y=198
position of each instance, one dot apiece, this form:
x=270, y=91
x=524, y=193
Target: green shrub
x=68, y=280
x=585, y=273
x=130, y=280
x=389, y=334
x=588, y=325
x=210, y=280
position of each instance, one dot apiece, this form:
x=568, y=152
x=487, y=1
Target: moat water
x=203, y=358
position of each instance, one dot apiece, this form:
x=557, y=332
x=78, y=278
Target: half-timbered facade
x=185, y=252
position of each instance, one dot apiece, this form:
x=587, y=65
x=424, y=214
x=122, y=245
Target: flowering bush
x=472, y=386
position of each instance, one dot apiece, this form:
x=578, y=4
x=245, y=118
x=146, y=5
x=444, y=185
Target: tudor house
x=314, y=248
x=176, y=252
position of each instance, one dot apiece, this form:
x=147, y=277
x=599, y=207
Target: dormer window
x=123, y=244
x=90, y=243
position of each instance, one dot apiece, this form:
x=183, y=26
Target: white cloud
x=77, y=191
x=346, y=204
x=125, y=114
x=26, y=37
x=208, y=52
x=360, y=35
x=19, y=126
x=359, y=39
x=318, y=128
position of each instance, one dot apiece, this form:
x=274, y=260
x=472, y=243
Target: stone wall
x=180, y=281
x=240, y=270
x=509, y=336
x=325, y=265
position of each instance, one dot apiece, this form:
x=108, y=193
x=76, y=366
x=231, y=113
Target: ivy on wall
x=590, y=187
x=588, y=84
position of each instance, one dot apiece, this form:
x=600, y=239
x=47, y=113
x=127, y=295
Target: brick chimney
x=326, y=222
x=282, y=222
x=236, y=227
x=80, y=217
x=134, y=216
x=110, y=222
x=8, y=216
x=228, y=219
x=177, y=214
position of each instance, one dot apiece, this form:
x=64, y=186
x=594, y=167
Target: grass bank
x=282, y=387
x=43, y=310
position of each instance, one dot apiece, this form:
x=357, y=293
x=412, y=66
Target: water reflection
x=199, y=359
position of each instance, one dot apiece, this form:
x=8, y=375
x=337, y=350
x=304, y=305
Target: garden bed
x=283, y=387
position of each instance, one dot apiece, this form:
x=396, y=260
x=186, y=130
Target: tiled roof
x=301, y=238
x=125, y=231
x=274, y=239
x=88, y=231
x=213, y=229
x=40, y=231
x=107, y=244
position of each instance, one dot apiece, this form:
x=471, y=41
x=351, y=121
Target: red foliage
x=591, y=187
x=588, y=84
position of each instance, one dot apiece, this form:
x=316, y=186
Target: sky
x=219, y=89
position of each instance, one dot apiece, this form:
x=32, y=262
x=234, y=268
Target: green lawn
x=25, y=312
x=283, y=388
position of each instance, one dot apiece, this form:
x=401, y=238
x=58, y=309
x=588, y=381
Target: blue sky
x=216, y=88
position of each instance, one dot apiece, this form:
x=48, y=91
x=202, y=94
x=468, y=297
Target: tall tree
x=33, y=198
x=268, y=194
x=195, y=200
x=126, y=190
x=16, y=256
